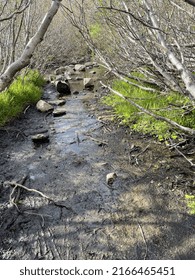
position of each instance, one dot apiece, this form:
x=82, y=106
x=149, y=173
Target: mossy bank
x=26, y=89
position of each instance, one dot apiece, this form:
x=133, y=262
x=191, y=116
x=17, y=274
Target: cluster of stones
x=73, y=72
x=61, y=79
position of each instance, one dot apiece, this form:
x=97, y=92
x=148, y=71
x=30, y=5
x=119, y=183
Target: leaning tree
x=15, y=21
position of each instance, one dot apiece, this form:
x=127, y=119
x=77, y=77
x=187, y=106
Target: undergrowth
x=26, y=89
x=171, y=105
x=190, y=199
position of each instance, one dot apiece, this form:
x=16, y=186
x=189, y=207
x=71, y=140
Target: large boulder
x=63, y=87
x=43, y=106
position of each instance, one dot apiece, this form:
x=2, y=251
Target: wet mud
x=142, y=214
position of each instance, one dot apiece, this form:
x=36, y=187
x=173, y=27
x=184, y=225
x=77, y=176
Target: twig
x=135, y=157
x=26, y=109
x=175, y=147
x=142, y=233
x=142, y=152
x=96, y=140
x=78, y=139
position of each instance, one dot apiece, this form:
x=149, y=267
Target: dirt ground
x=142, y=215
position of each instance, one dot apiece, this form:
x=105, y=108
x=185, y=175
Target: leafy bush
x=26, y=89
x=171, y=105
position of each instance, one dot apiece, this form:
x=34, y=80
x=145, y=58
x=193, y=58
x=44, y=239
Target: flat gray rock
x=40, y=138
x=57, y=102
x=59, y=112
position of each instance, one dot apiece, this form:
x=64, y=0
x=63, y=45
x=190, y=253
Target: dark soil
x=142, y=215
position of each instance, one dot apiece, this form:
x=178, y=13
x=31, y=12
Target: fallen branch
x=142, y=109
x=16, y=185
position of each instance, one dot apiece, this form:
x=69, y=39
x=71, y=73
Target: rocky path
x=140, y=215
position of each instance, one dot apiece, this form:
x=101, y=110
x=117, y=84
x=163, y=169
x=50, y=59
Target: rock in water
x=40, y=138
x=58, y=112
x=88, y=83
x=43, y=106
x=63, y=88
x=110, y=178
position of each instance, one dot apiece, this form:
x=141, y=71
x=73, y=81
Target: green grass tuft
x=171, y=105
x=26, y=89
x=190, y=199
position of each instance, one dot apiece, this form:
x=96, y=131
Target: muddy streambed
x=142, y=215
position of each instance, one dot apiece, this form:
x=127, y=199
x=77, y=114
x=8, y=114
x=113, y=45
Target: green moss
x=171, y=105
x=26, y=89
x=190, y=200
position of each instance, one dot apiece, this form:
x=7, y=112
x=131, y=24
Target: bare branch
x=15, y=12
x=132, y=15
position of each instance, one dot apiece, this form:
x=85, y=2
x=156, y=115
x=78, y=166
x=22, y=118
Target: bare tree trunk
x=186, y=75
x=24, y=60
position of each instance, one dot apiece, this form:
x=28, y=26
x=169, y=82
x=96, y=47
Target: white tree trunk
x=186, y=75
x=24, y=60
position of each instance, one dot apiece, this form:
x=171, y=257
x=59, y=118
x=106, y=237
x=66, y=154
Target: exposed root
x=13, y=199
